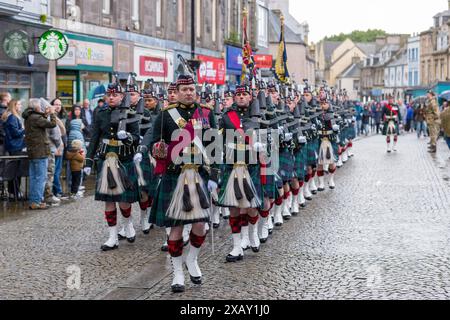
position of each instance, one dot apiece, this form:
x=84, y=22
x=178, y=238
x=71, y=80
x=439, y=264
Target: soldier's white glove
x=122, y=135
x=137, y=158
x=153, y=161
x=302, y=139
x=288, y=136
x=87, y=171
x=336, y=127
x=212, y=186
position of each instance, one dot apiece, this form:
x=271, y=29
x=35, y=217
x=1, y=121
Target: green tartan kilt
x=342, y=137
x=300, y=163
x=255, y=175
x=163, y=198
x=311, y=152
x=150, y=179
x=129, y=196
x=269, y=188
x=351, y=133
x=286, y=165
x=385, y=129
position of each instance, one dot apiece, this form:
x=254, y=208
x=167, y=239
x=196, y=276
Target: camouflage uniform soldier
x=432, y=118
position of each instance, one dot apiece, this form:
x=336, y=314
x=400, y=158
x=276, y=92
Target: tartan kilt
x=385, y=128
x=311, y=152
x=351, y=133
x=286, y=165
x=255, y=175
x=129, y=196
x=300, y=163
x=270, y=187
x=163, y=198
x=150, y=179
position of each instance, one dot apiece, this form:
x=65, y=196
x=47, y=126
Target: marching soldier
x=115, y=137
x=392, y=118
x=328, y=149
x=241, y=188
x=182, y=197
x=432, y=118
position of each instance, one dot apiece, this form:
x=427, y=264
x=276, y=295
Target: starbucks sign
x=16, y=44
x=53, y=45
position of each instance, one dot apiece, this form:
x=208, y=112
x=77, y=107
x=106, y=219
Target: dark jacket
x=14, y=134
x=88, y=128
x=36, y=138
x=2, y=129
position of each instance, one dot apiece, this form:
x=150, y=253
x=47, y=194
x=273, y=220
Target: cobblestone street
x=382, y=234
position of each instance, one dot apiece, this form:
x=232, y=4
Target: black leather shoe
x=146, y=231
x=121, y=237
x=255, y=250
x=303, y=205
x=216, y=225
x=131, y=240
x=108, y=248
x=286, y=218
x=263, y=240
x=226, y=218
x=196, y=280
x=231, y=258
x=309, y=199
x=314, y=192
x=178, y=288
x=164, y=248
x=332, y=188
x=270, y=231
x=278, y=224
x=321, y=189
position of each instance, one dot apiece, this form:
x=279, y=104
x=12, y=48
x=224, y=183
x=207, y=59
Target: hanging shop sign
x=16, y=44
x=212, y=70
x=53, y=45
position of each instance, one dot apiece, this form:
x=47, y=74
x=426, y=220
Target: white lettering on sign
x=154, y=66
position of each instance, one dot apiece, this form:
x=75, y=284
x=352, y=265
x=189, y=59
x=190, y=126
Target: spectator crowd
x=47, y=143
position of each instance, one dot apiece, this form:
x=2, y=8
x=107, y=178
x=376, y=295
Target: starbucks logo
x=53, y=45
x=16, y=44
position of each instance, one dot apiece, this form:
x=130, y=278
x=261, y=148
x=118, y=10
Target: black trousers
x=76, y=180
x=14, y=185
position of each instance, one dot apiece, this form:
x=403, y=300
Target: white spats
x=145, y=225
x=192, y=262
x=113, y=241
x=178, y=274
x=278, y=217
x=245, y=240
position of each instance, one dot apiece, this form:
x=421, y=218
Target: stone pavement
x=382, y=234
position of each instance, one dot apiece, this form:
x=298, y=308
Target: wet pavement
x=382, y=234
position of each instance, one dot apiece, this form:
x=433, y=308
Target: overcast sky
x=328, y=17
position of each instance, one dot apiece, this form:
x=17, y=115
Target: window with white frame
x=198, y=18
x=106, y=7
x=135, y=10
x=214, y=20
x=158, y=13
x=262, y=26
x=239, y=19
x=180, y=16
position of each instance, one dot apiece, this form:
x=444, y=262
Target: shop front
x=22, y=72
x=153, y=63
x=85, y=71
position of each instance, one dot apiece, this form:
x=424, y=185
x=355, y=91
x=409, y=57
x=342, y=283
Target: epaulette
x=207, y=107
x=170, y=106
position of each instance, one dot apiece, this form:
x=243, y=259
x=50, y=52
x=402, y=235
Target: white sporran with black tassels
x=240, y=192
x=391, y=130
x=189, y=200
x=326, y=153
x=110, y=182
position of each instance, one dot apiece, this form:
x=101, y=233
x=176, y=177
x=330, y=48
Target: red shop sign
x=152, y=67
x=263, y=61
x=212, y=70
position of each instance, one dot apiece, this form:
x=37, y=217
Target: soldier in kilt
x=328, y=150
x=241, y=188
x=144, y=168
x=311, y=147
x=392, y=118
x=182, y=196
x=114, y=140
